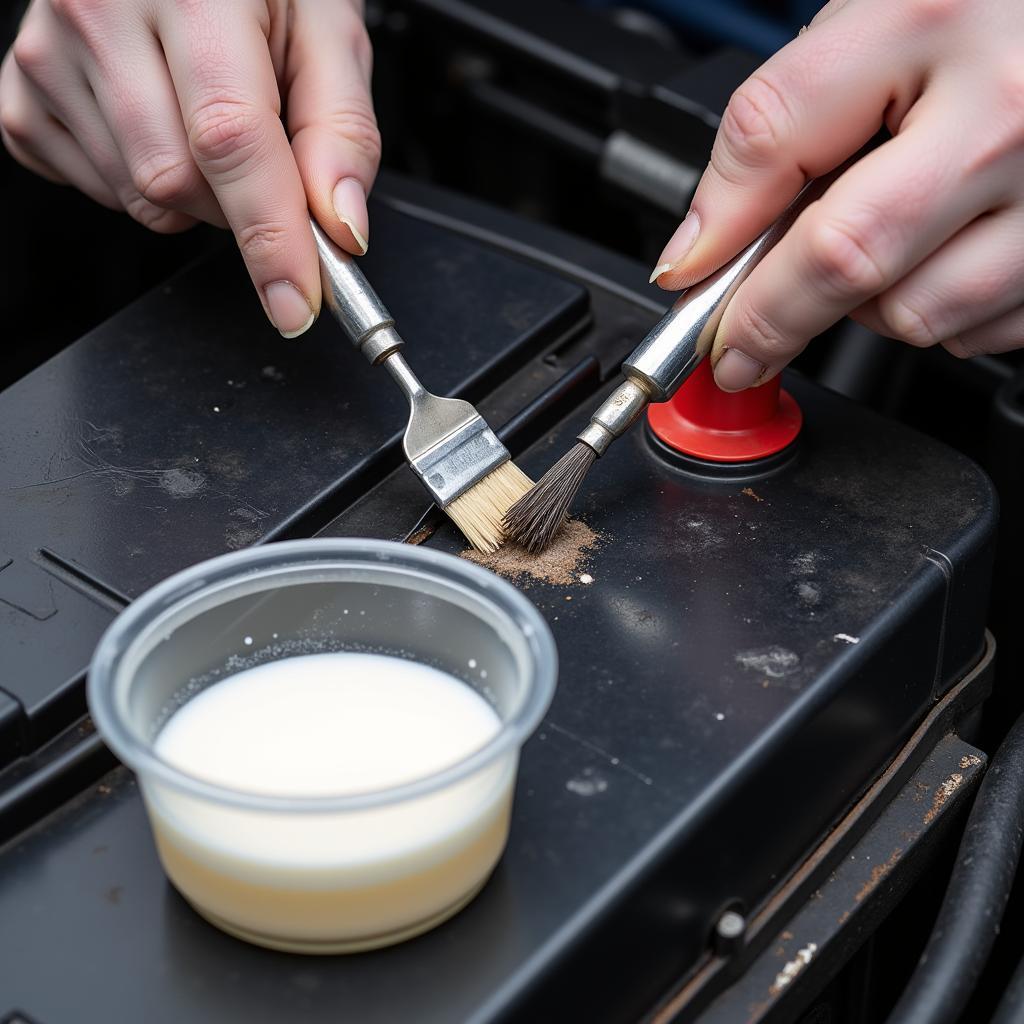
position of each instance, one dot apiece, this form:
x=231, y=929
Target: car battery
x=753, y=662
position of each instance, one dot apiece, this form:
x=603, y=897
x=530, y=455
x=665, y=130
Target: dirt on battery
x=562, y=562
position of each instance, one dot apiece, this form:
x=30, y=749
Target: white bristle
x=479, y=511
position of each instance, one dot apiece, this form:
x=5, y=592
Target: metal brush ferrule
x=459, y=461
x=447, y=443
x=616, y=414
x=353, y=303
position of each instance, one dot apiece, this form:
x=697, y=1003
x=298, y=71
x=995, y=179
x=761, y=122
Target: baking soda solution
x=332, y=725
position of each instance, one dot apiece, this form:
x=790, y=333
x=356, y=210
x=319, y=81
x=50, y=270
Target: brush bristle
x=479, y=512
x=537, y=516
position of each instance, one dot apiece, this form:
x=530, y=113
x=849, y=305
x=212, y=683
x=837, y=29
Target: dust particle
x=560, y=563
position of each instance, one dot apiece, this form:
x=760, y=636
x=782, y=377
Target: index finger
x=809, y=107
x=223, y=74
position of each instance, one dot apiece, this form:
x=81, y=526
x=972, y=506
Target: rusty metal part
x=706, y=983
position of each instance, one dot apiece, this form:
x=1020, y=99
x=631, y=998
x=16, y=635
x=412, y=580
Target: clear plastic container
x=325, y=874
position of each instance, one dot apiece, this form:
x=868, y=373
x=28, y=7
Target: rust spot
x=920, y=791
x=878, y=872
x=422, y=534
x=970, y=761
x=751, y=493
x=844, y=917
x=104, y=790
x=944, y=791
x=100, y=849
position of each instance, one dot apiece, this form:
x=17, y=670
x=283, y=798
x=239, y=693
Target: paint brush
x=657, y=368
x=448, y=444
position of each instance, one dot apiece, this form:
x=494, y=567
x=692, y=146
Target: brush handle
x=353, y=303
x=679, y=341
x=675, y=345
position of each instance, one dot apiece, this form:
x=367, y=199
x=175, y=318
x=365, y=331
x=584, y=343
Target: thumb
x=809, y=107
x=330, y=117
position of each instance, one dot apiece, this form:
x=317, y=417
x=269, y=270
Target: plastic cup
x=325, y=874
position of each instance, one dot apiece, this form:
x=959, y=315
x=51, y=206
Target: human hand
x=171, y=110
x=923, y=238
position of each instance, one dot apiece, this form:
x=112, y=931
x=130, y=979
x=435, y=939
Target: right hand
x=171, y=110
x=923, y=238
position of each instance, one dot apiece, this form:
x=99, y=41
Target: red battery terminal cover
x=704, y=422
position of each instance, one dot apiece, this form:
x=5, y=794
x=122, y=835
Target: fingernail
x=735, y=370
x=350, y=205
x=678, y=246
x=289, y=309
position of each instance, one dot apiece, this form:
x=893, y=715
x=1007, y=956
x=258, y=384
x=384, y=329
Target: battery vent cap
x=704, y=422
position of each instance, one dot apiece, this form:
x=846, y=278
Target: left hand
x=171, y=110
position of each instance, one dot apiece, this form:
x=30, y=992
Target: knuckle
x=754, y=125
x=31, y=52
x=138, y=208
x=769, y=344
x=224, y=134
x=931, y=14
x=15, y=124
x=1004, y=130
x=961, y=347
x=359, y=127
x=259, y=243
x=165, y=181
x=66, y=9
x=908, y=324
x=149, y=216
x=842, y=258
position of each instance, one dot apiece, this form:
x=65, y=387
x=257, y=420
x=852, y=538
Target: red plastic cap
x=705, y=422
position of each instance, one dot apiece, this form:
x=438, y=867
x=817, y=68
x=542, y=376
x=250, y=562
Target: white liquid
x=321, y=725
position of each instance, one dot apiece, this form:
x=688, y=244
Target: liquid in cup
x=322, y=725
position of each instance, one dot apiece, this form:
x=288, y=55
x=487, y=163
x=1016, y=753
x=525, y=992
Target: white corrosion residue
x=773, y=661
x=794, y=967
x=585, y=577
x=846, y=638
x=588, y=783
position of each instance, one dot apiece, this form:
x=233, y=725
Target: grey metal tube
x=353, y=302
x=683, y=337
